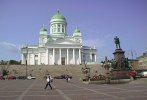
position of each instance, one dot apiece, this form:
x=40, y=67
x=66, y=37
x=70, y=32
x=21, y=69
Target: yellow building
x=142, y=60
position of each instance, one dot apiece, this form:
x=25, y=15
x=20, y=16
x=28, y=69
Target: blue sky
x=99, y=21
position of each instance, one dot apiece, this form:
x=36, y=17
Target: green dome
x=43, y=29
x=58, y=17
x=76, y=30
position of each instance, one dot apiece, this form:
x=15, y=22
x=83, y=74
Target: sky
x=98, y=20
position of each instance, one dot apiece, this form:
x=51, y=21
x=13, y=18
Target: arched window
x=58, y=27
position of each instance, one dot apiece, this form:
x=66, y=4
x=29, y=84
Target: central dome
x=58, y=17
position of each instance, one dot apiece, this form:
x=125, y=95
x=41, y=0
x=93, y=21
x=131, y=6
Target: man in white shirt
x=48, y=79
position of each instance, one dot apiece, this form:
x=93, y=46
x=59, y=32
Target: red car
x=10, y=77
x=2, y=78
x=132, y=74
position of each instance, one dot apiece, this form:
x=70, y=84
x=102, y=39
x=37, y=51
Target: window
x=63, y=29
x=54, y=29
x=58, y=29
x=58, y=26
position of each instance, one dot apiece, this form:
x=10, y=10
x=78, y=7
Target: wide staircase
x=55, y=70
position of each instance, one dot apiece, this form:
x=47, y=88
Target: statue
x=116, y=40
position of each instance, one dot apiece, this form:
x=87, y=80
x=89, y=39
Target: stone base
x=120, y=74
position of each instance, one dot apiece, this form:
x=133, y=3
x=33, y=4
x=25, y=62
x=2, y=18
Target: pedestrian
x=49, y=80
x=67, y=78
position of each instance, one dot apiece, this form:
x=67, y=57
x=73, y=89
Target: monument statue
x=117, y=42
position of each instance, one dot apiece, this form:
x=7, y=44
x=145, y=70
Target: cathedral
x=57, y=47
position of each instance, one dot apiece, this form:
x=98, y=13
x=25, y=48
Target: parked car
x=132, y=73
x=22, y=77
x=31, y=77
x=62, y=77
x=11, y=77
x=2, y=78
x=142, y=73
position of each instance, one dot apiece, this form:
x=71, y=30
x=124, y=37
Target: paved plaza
x=75, y=90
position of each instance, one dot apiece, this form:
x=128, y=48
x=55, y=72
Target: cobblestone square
x=74, y=90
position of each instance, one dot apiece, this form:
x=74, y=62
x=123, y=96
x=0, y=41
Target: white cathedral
x=57, y=48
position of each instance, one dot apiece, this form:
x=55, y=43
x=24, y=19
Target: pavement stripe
x=24, y=93
x=99, y=92
x=62, y=94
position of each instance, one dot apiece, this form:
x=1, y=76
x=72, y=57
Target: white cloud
x=99, y=42
x=10, y=47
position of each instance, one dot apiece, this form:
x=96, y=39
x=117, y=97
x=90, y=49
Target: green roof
x=76, y=30
x=58, y=16
x=43, y=29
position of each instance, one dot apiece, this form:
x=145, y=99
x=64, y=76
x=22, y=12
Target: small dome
x=76, y=30
x=58, y=17
x=43, y=29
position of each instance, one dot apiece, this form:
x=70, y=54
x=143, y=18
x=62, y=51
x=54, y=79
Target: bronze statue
x=116, y=40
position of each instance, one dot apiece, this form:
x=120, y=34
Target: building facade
x=143, y=60
x=57, y=48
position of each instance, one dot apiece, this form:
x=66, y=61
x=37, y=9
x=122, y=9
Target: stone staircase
x=55, y=70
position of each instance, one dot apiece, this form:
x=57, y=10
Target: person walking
x=49, y=80
x=67, y=78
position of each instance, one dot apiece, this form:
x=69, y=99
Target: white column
x=53, y=56
x=51, y=27
x=22, y=59
x=67, y=56
x=79, y=56
x=90, y=57
x=73, y=56
x=33, y=56
x=39, y=58
x=28, y=59
x=47, y=57
x=60, y=56
x=95, y=57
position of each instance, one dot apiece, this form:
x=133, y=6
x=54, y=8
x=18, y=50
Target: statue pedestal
x=120, y=74
x=119, y=54
x=120, y=71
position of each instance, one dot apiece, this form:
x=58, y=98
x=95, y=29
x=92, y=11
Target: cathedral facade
x=57, y=48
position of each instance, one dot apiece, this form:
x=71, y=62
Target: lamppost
x=107, y=65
